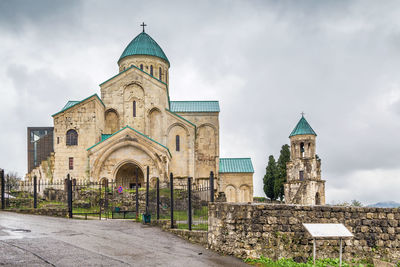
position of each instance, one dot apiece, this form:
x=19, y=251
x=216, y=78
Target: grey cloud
x=15, y=14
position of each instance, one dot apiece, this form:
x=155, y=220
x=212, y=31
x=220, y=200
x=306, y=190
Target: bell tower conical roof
x=302, y=128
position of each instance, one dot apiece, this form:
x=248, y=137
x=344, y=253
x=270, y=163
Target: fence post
x=190, y=203
x=3, y=185
x=99, y=200
x=137, y=193
x=69, y=195
x=171, y=182
x=106, y=198
x=211, y=186
x=158, y=198
x=34, y=192
x=147, y=190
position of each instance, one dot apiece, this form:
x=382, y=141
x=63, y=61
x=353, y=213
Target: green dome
x=302, y=127
x=143, y=44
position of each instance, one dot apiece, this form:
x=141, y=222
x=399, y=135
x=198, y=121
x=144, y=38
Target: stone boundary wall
x=55, y=212
x=276, y=231
x=194, y=236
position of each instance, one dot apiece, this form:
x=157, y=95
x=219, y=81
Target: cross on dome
x=143, y=25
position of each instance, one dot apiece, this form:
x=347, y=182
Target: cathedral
x=133, y=125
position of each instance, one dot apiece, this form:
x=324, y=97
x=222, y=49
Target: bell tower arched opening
x=317, y=199
x=126, y=176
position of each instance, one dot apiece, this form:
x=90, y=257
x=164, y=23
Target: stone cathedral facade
x=134, y=124
x=304, y=185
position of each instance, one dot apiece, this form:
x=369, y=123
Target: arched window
x=160, y=73
x=178, y=145
x=134, y=108
x=302, y=150
x=151, y=70
x=317, y=199
x=141, y=66
x=72, y=138
x=301, y=175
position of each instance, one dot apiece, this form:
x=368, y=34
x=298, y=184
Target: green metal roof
x=106, y=136
x=194, y=106
x=227, y=165
x=70, y=104
x=302, y=127
x=143, y=44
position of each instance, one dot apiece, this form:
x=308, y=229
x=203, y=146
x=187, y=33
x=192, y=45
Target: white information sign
x=327, y=230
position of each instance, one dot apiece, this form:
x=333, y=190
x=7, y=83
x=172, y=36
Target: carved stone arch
x=111, y=110
x=132, y=83
x=231, y=193
x=152, y=110
x=134, y=114
x=155, y=124
x=123, y=162
x=244, y=193
x=178, y=124
x=112, y=121
x=98, y=163
x=207, y=124
x=179, y=143
x=214, y=138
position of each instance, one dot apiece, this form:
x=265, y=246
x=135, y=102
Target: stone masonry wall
x=275, y=231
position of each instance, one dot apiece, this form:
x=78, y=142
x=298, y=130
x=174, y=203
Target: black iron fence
x=191, y=205
x=183, y=202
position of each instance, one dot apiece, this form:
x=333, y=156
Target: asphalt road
x=30, y=240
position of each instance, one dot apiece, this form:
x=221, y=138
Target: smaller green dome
x=302, y=127
x=143, y=44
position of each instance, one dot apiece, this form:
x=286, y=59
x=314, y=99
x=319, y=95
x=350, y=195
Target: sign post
x=327, y=231
x=137, y=194
x=3, y=185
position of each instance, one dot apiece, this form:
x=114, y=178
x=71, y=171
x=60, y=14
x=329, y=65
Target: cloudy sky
x=265, y=61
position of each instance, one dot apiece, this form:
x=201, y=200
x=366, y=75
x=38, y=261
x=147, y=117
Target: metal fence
x=185, y=206
x=191, y=205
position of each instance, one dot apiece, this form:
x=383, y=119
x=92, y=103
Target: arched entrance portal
x=126, y=176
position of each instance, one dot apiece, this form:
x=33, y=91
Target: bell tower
x=304, y=185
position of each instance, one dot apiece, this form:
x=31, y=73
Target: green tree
x=12, y=180
x=269, y=178
x=356, y=203
x=280, y=180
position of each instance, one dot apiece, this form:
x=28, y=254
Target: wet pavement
x=31, y=240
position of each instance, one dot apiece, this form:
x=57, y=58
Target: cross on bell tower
x=143, y=25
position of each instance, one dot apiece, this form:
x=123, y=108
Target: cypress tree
x=284, y=158
x=269, y=178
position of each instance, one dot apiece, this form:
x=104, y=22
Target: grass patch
x=201, y=226
x=267, y=262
